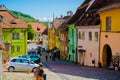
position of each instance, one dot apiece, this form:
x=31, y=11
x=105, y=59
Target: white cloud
x=46, y=19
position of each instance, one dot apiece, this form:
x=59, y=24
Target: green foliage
x=31, y=32
x=23, y=16
x=45, y=23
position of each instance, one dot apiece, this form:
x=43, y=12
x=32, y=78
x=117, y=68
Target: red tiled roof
x=38, y=27
x=110, y=7
x=58, y=22
x=10, y=21
x=64, y=25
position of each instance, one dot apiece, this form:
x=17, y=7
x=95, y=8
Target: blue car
x=33, y=57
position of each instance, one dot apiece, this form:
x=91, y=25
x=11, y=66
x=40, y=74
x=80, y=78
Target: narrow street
x=70, y=71
x=63, y=70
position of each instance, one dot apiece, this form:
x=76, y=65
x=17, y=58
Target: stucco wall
x=22, y=42
x=113, y=40
x=91, y=46
x=112, y=36
x=115, y=15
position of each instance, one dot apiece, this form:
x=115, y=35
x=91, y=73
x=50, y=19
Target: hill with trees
x=26, y=17
x=23, y=16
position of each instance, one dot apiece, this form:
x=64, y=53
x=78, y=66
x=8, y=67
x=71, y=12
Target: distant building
x=39, y=29
x=45, y=39
x=63, y=37
x=51, y=37
x=57, y=22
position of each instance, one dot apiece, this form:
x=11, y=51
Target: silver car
x=20, y=64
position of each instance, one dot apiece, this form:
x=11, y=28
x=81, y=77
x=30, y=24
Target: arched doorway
x=107, y=55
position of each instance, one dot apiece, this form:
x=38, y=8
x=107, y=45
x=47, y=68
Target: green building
x=72, y=38
x=14, y=33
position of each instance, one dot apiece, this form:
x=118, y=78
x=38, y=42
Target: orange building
x=110, y=34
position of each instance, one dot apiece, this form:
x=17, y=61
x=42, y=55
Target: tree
x=31, y=32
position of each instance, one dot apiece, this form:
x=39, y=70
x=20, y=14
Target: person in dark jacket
x=39, y=71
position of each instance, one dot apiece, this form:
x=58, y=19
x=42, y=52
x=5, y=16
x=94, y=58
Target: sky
x=43, y=10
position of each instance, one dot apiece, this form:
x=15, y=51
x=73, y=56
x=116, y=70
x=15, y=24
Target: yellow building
x=57, y=22
x=57, y=41
x=110, y=34
x=51, y=37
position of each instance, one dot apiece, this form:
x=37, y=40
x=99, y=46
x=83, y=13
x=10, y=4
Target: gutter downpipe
x=99, y=63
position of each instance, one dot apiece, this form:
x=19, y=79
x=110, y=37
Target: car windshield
x=31, y=62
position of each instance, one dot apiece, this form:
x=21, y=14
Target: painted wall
x=115, y=15
x=63, y=43
x=57, y=42
x=113, y=40
x=22, y=42
x=51, y=38
x=72, y=43
x=110, y=37
x=90, y=46
x=45, y=42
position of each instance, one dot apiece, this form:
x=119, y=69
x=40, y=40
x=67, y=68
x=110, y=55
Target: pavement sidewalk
x=50, y=74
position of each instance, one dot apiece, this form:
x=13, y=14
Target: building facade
x=63, y=37
x=39, y=29
x=51, y=37
x=72, y=43
x=88, y=45
x=110, y=34
x=45, y=39
x=14, y=33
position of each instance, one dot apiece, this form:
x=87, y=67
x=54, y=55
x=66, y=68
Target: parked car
x=20, y=64
x=35, y=58
x=25, y=56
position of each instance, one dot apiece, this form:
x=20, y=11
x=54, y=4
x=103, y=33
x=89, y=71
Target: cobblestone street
x=63, y=70
x=70, y=71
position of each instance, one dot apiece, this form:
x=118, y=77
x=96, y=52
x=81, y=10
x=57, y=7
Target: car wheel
x=34, y=69
x=11, y=69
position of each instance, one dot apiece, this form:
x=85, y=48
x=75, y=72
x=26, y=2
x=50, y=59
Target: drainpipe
x=76, y=45
x=99, y=63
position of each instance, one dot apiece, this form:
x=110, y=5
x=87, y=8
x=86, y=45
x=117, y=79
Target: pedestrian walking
x=49, y=54
x=46, y=57
x=39, y=72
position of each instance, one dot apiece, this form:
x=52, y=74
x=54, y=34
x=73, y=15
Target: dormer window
x=1, y=18
x=13, y=22
x=38, y=28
